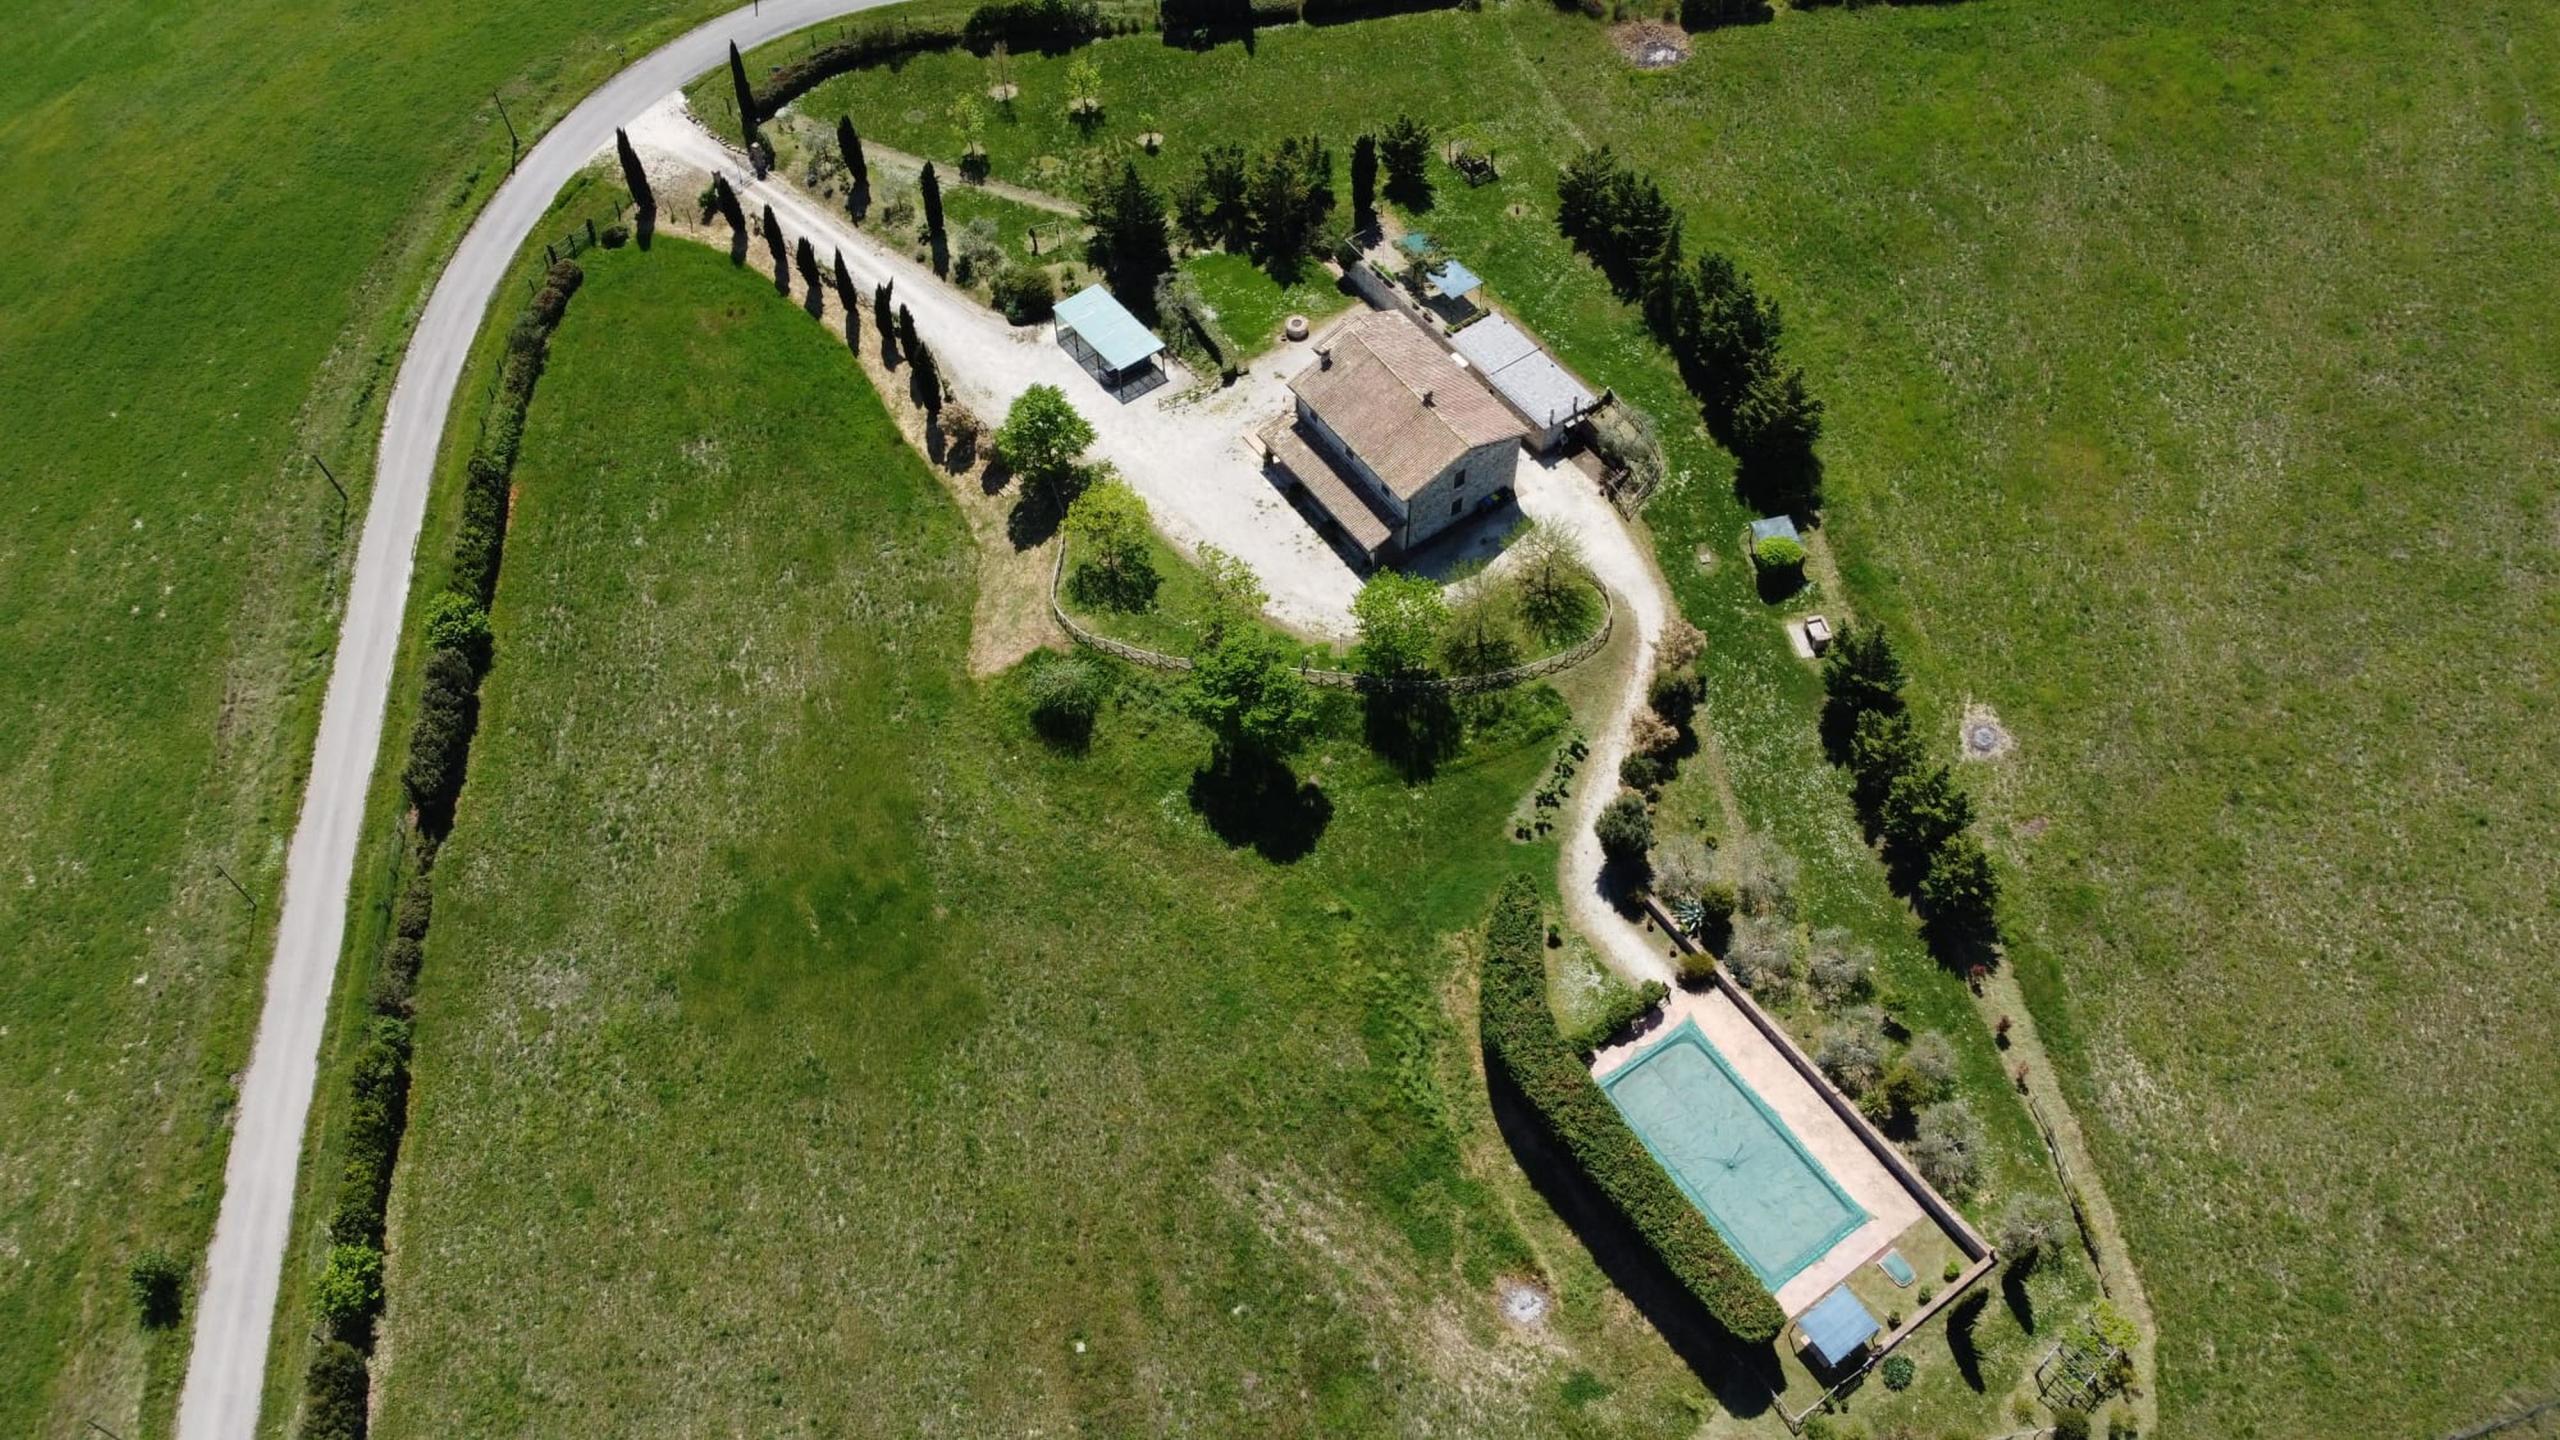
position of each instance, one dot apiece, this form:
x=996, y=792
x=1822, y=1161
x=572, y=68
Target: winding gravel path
x=226, y=1370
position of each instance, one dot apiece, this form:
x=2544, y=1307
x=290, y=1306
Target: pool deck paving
x=1890, y=1208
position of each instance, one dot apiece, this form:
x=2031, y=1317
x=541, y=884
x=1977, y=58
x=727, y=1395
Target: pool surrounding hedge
x=1520, y=1035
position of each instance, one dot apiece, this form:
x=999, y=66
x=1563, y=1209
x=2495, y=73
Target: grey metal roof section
x=1107, y=326
x=1525, y=375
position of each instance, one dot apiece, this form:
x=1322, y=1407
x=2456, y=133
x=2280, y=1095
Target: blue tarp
x=1837, y=1325
x=1106, y=328
x=1415, y=243
x=1454, y=279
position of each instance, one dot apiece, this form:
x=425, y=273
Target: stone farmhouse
x=1391, y=440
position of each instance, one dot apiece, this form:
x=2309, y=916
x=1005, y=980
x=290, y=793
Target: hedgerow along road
x=235, y=1315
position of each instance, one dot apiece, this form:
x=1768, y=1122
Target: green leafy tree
x=1084, y=91
x=1555, y=585
x=349, y=1294
x=1212, y=208
x=1958, y=888
x=1625, y=828
x=1400, y=618
x=1108, y=523
x=1043, y=435
x=456, y=622
x=1405, y=149
x=1483, y=634
x=1065, y=695
x=1130, y=244
x=1948, y=1147
x=930, y=185
x=1235, y=592
x=1245, y=689
x=746, y=98
x=1364, y=182
x=1922, y=810
x=634, y=177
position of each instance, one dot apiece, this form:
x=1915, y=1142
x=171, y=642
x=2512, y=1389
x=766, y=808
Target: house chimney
x=1324, y=357
x=1426, y=397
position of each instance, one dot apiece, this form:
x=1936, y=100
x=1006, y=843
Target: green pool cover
x=1732, y=1156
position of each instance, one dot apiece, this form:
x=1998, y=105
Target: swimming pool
x=1732, y=1156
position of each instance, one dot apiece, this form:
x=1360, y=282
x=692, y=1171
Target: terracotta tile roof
x=1336, y=492
x=1398, y=400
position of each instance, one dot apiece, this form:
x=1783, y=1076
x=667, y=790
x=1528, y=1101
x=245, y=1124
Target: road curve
x=226, y=1370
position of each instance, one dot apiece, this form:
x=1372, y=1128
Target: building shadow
x=1746, y=1379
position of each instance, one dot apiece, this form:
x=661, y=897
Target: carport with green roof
x=1104, y=337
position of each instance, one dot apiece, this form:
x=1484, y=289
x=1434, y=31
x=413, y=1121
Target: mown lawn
x=803, y=1039
x=2191, y=378
x=232, y=211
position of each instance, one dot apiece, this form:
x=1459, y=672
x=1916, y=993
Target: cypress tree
x=849, y=145
x=925, y=381
x=781, y=256
x=633, y=176
x=881, y=319
x=931, y=185
x=813, y=283
x=1364, y=182
x=906, y=332
x=1130, y=243
x=746, y=96
x=852, y=300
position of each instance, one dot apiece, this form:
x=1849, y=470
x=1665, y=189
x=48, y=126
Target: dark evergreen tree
x=851, y=299
x=931, y=185
x=1922, y=810
x=1364, y=182
x=1129, y=244
x=849, y=147
x=1958, y=890
x=1406, y=151
x=882, y=320
x=924, y=377
x=748, y=130
x=634, y=177
x=781, y=256
x=906, y=333
x=1862, y=673
x=813, y=281
x=1582, y=192
x=1211, y=209
x=1288, y=196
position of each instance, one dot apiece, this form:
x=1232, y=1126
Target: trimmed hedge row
x=1520, y=1035
x=348, y=1297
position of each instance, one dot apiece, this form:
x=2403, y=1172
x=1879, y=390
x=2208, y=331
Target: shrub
x=1681, y=644
x=1948, y=1148
x=1620, y=1010
x=1931, y=1061
x=2120, y=1425
x=1520, y=1037
x=2029, y=1228
x=1675, y=696
x=333, y=1393
x=614, y=237
x=397, y=978
x=1643, y=772
x=1762, y=956
x=2070, y=1425
x=159, y=1284
x=1779, y=554
x=441, y=740
x=1697, y=967
x=410, y=917
x=1681, y=865
x=1625, y=829
x=1851, y=1052
x=1951, y=1270
x=1050, y=26
x=349, y=1294
x=1841, y=969
x=1065, y=694
x=1897, y=1372
x=1025, y=293
x=1650, y=734
x=1716, y=903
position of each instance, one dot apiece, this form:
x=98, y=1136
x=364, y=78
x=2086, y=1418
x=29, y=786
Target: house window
x=1457, y=507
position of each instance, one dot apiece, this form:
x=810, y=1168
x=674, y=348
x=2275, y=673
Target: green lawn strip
x=1252, y=306
x=1178, y=620
x=226, y=271
x=386, y=848
x=919, y=1052
x=1520, y=1035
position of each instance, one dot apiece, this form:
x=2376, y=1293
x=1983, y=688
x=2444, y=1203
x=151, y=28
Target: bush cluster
x=1049, y=26
x=159, y=1285
x=1721, y=332
x=1914, y=807
x=1271, y=205
x=1520, y=1036
x=333, y=1393
x=375, y=1123
x=1025, y=293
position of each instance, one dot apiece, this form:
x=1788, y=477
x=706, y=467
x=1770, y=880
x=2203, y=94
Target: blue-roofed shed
x=1837, y=1327
x=1100, y=331
x=1776, y=527
x=1455, y=281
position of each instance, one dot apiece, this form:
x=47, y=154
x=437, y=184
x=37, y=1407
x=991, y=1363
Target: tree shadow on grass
x=2013, y=1288
x=1745, y=1378
x=1413, y=731
x=1247, y=800
x=1961, y=1319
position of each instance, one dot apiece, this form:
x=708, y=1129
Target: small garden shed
x=1101, y=333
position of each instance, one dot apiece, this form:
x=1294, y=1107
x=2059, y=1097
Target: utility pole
x=332, y=479
x=512, y=145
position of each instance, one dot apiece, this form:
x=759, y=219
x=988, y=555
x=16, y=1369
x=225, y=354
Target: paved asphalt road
x=226, y=1372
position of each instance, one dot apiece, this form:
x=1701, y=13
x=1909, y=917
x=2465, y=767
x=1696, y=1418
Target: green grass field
x=803, y=1039
x=2190, y=379
x=237, y=207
